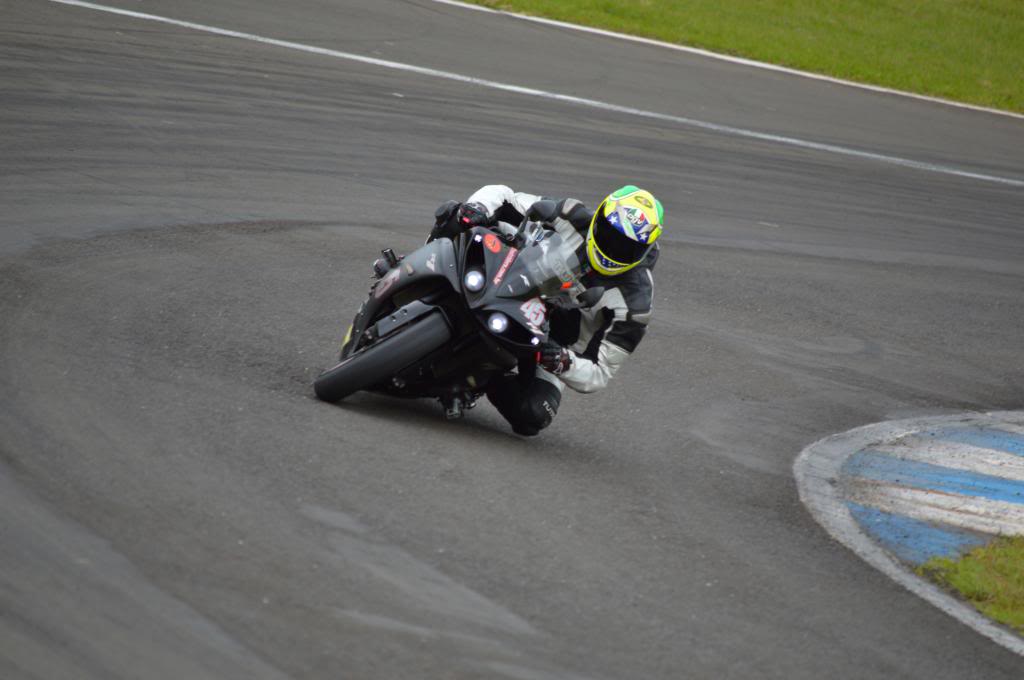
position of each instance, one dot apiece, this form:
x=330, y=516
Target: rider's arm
x=576, y=214
x=502, y=203
x=630, y=312
x=593, y=374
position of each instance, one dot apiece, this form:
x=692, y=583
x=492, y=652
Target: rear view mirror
x=543, y=211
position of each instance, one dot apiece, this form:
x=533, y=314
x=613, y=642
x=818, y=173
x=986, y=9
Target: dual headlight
x=474, y=281
x=497, y=322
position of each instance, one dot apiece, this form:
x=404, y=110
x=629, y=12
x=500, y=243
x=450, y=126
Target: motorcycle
x=450, y=317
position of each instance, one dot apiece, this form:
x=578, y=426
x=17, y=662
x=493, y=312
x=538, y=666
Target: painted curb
x=818, y=477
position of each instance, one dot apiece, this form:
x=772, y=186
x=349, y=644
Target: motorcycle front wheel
x=375, y=363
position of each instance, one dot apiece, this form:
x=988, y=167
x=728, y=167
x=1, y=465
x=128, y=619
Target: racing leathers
x=600, y=338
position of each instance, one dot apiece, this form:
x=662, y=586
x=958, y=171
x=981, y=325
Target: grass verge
x=990, y=577
x=966, y=50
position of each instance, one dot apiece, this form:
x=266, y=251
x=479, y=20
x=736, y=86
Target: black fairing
x=430, y=281
x=431, y=269
x=511, y=288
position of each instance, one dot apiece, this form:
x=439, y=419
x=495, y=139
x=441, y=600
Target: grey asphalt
x=188, y=223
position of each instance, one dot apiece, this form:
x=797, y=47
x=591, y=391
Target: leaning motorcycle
x=455, y=314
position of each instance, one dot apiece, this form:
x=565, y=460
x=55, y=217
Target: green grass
x=990, y=577
x=967, y=50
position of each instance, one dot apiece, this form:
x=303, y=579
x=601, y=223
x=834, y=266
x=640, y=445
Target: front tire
x=373, y=364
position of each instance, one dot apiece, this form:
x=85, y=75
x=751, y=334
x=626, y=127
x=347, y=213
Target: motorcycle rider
x=617, y=246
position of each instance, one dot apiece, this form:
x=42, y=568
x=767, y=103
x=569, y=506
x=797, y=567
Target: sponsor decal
x=509, y=259
x=432, y=262
x=636, y=217
x=492, y=243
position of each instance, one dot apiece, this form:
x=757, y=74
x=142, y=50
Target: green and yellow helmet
x=625, y=227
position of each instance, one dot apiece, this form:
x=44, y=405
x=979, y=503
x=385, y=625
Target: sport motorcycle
x=450, y=317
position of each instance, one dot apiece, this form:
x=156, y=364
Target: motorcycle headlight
x=474, y=280
x=497, y=322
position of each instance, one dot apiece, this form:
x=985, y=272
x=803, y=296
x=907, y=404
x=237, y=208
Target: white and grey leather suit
x=601, y=337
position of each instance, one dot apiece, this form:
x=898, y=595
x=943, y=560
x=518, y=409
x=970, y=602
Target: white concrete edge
x=817, y=477
x=735, y=60
x=553, y=96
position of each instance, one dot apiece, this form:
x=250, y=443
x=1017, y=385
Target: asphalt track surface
x=188, y=222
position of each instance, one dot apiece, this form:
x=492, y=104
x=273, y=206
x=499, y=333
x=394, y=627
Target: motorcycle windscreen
x=545, y=269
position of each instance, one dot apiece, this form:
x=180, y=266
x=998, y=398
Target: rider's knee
x=538, y=409
x=527, y=409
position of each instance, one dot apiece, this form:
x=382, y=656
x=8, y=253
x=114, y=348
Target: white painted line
x=965, y=512
x=817, y=476
x=735, y=60
x=957, y=457
x=605, y=106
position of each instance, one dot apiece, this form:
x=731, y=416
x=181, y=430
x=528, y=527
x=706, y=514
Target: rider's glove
x=473, y=215
x=444, y=221
x=554, y=358
x=452, y=218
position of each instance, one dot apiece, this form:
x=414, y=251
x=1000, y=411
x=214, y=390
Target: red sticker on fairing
x=509, y=259
x=492, y=243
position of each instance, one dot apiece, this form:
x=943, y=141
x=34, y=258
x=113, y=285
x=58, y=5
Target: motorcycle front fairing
x=427, y=281
x=511, y=304
x=492, y=296
x=428, y=269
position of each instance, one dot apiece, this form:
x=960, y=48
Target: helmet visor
x=614, y=244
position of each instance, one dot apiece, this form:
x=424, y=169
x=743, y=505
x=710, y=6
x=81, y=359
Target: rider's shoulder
x=577, y=214
x=636, y=285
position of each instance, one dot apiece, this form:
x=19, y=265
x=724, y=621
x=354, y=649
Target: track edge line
x=743, y=61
